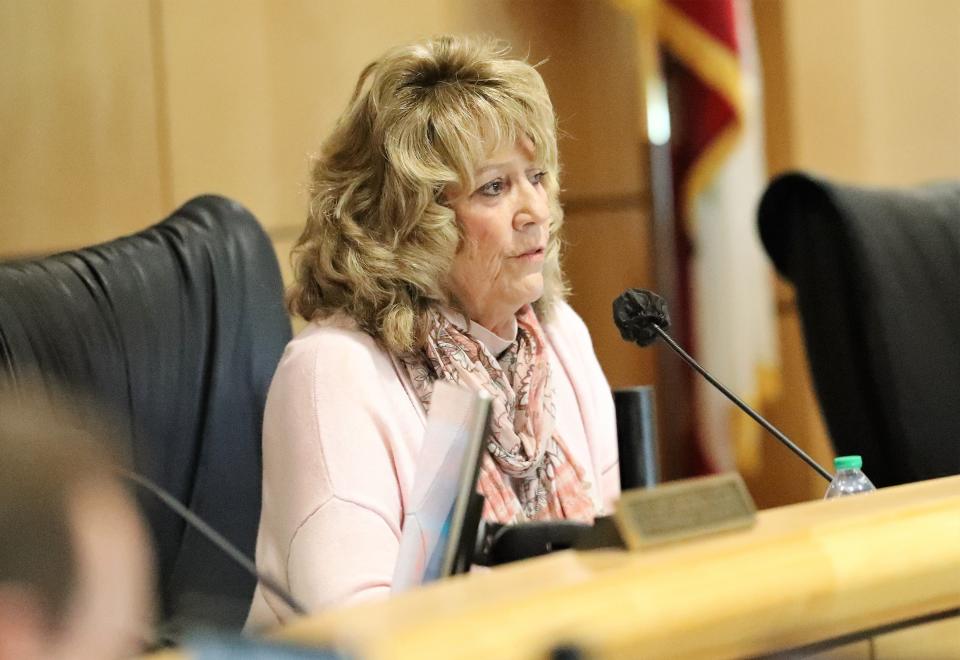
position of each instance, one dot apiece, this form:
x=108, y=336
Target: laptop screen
x=440, y=523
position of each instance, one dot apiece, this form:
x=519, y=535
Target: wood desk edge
x=841, y=565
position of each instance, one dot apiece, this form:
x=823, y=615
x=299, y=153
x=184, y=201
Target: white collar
x=492, y=341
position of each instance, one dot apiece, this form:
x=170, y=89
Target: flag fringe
x=746, y=433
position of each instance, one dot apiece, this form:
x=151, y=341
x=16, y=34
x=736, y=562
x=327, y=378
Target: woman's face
x=505, y=223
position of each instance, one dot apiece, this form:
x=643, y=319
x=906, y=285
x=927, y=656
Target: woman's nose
x=533, y=208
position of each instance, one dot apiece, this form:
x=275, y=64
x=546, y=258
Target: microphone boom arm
x=216, y=538
x=741, y=405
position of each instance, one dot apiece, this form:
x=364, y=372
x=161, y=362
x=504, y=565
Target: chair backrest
x=176, y=330
x=877, y=277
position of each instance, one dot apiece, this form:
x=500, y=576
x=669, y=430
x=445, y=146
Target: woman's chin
x=532, y=290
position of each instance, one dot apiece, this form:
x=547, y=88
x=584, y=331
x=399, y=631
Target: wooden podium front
x=803, y=574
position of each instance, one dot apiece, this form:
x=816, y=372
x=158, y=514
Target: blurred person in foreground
x=431, y=252
x=75, y=569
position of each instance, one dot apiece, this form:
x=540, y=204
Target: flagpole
x=675, y=418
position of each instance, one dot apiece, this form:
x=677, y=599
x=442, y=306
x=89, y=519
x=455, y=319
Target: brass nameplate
x=684, y=509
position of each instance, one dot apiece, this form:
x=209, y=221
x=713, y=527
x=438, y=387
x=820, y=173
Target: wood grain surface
x=804, y=573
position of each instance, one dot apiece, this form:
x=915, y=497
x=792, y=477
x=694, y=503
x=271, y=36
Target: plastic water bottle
x=848, y=480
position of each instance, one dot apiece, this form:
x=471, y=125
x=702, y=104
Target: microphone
x=641, y=316
x=216, y=538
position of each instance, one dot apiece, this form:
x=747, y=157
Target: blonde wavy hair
x=379, y=240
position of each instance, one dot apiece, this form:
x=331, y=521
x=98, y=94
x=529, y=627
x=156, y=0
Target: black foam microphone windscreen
x=635, y=311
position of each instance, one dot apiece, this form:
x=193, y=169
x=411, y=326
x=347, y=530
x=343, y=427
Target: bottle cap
x=848, y=462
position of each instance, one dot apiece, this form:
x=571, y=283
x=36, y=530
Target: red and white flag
x=720, y=174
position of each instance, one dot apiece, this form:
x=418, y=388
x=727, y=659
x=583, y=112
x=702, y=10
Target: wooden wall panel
x=911, y=88
x=823, y=42
x=607, y=252
x=875, y=88
x=78, y=124
x=253, y=86
x=590, y=70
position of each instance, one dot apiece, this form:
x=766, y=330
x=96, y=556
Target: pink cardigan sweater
x=341, y=433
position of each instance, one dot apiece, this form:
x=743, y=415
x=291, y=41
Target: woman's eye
x=492, y=189
x=537, y=178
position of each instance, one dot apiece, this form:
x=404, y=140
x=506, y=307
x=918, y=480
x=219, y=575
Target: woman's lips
x=531, y=254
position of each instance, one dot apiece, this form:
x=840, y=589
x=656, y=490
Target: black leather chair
x=176, y=330
x=877, y=277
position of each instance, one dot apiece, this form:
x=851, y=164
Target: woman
x=431, y=251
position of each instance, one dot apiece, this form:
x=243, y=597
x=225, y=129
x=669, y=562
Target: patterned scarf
x=527, y=472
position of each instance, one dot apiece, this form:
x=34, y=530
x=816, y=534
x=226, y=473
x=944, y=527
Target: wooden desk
x=804, y=573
